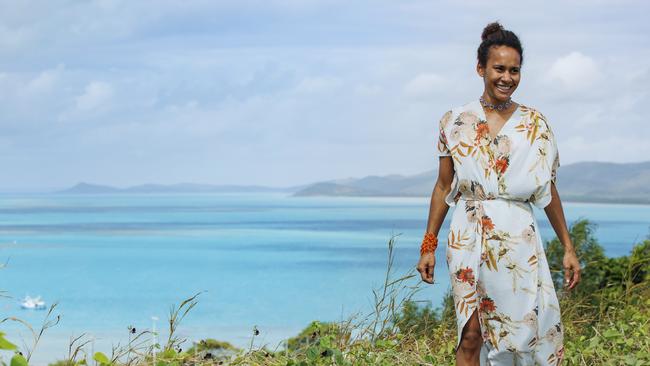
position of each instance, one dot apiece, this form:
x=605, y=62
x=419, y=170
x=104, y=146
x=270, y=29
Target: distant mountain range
x=87, y=188
x=578, y=182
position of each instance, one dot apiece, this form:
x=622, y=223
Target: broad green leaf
x=313, y=353
x=101, y=358
x=5, y=344
x=611, y=333
x=18, y=360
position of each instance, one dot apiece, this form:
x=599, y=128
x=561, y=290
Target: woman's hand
x=570, y=262
x=571, y=268
x=426, y=265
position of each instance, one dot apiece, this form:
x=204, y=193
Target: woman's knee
x=471, y=340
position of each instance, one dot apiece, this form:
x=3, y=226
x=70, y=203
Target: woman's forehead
x=503, y=55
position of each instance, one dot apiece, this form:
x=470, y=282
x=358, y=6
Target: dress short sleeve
x=443, y=146
x=552, y=163
x=443, y=150
x=556, y=164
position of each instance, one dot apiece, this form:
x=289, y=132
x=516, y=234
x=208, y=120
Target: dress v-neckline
x=480, y=107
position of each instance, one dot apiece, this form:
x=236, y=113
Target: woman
x=497, y=159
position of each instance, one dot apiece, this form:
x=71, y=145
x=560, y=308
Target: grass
x=606, y=320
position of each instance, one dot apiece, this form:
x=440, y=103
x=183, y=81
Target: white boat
x=33, y=303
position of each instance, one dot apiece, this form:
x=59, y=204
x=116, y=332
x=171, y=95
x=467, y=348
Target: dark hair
x=495, y=35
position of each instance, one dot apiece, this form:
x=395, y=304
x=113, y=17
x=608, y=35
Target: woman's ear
x=480, y=70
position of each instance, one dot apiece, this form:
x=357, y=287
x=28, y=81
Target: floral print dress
x=494, y=251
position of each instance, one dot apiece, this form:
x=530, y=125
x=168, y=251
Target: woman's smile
x=504, y=88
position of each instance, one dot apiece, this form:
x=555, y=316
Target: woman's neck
x=492, y=101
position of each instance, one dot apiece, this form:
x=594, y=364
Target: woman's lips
x=504, y=89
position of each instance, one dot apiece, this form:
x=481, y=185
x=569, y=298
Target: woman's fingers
x=571, y=276
x=567, y=276
x=571, y=269
x=425, y=267
x=429, y=273
x=576, y=277
x=425, y=273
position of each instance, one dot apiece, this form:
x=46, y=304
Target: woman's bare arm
x=437, y=212
x=438, y=207
x=555, y=215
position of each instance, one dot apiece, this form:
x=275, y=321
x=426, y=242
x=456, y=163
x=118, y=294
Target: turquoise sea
x=267, y=260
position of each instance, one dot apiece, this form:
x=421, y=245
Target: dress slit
x=479, y=237
x=460, y=337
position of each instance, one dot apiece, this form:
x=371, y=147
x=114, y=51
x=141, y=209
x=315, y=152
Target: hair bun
x=491, y=29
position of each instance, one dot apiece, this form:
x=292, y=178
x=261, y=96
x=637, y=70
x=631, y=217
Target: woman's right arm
x=438, y=207
x=437, y=211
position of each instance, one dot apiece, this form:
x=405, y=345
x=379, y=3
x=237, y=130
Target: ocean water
x=269, y=261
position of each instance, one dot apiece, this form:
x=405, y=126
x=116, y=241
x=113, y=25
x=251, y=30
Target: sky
x=282, y=93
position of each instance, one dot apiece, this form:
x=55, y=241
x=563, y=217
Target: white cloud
x=318, y=84
x=14, y=37
x=368, y=89
x=575, y=71
x=96, y=94
x=44, y=81
x=616, y=148
x=424, y=85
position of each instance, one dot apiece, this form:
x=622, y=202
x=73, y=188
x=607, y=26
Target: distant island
x=578, y=182
x=89, y=188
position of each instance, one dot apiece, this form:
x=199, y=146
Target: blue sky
x=290, y=92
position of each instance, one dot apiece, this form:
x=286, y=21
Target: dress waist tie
x=470, y=196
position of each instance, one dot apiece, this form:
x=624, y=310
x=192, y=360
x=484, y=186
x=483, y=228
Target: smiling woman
x=498, y=159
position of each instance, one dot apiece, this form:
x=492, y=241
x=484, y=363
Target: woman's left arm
x=555, y=215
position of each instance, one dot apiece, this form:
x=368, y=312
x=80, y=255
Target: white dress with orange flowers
x=494, y=252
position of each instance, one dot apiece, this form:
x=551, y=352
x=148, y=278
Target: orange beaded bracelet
x=429, y=243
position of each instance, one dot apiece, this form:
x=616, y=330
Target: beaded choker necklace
x=499, y=107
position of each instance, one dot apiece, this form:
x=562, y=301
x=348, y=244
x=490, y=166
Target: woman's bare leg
x=471, y=341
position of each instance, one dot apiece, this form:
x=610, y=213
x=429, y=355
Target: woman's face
x=501, y=73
